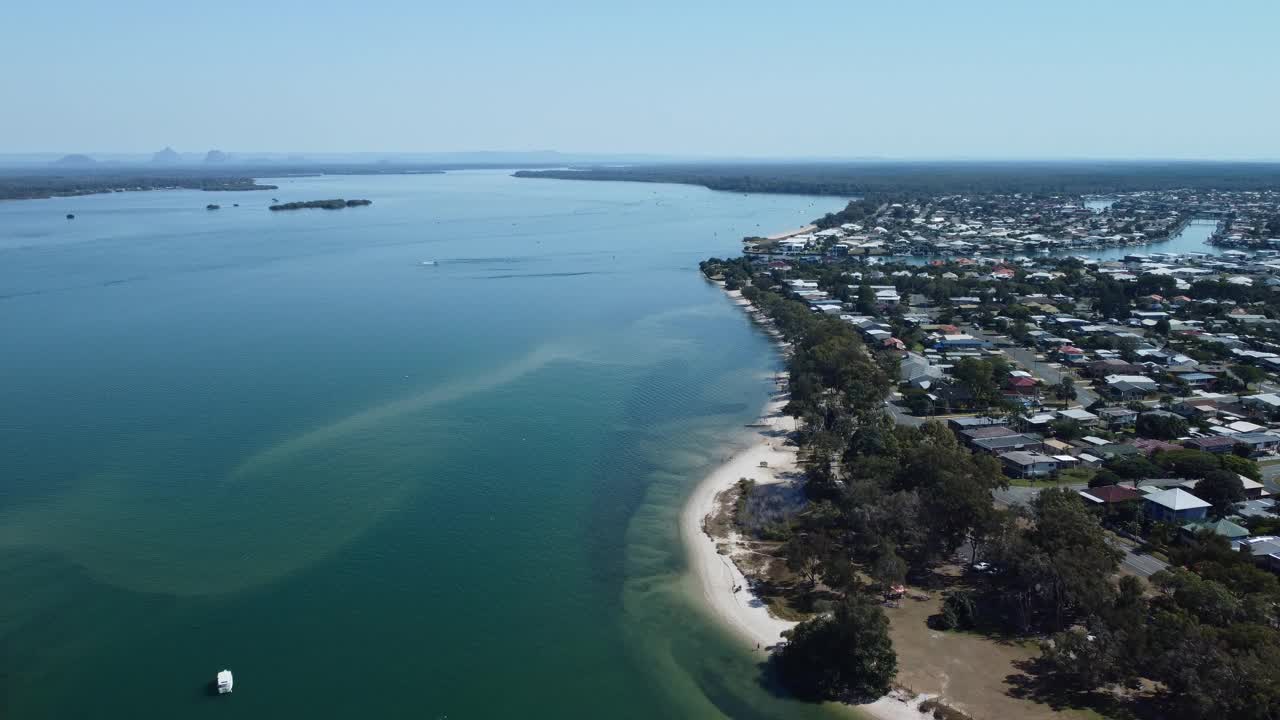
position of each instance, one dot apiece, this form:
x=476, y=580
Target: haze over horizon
x=980, y=80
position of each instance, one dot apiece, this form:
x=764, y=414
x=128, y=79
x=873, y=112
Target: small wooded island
x=336, y=204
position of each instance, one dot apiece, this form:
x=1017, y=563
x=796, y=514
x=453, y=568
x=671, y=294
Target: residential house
x=1175, y=505
x=1252, y=488
x=952, y=396
x=1008, y=443
x=887, y=298
x=1195, y=407
x=1148, y=446
x=1258, y=443
x=1070, y=353
x=1080, y=415
x=1265, y=405
x=1110, y=495
x=965, y=423
x=1113, y=366
x=1129, y=387
x=1197, y=379
x=1023, y=464
x=1022, y=386
x=969, y=435
x=1057, y=447
x=1114, y=450
x=960, y=341
x=1223, y=528
x=1265, y=550
x=1218, y=445
x=1118, y=417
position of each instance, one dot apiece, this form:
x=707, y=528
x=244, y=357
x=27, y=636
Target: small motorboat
x=225, y=682
x=428, y=262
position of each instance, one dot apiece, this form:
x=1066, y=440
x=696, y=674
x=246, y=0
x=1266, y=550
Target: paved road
x=1085, y=396
x=1270, y=471
x=1271, y=477
x=1139, y=564
x=901, y=416
x=1018, y=496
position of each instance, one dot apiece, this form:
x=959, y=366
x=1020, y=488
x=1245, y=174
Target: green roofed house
x=1225, y=528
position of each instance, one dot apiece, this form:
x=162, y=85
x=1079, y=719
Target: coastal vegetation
x=47, y=185
x=888, y=504
x=334, y=204
x=846, y=655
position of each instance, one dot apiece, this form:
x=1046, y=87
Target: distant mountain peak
x=75, y=159
x=216, y=156
x=167, y=155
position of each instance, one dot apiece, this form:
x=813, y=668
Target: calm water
x=279, y=443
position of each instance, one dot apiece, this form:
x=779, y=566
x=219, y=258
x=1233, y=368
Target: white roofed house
x=1024, y=464
x=793, y=246
x=887, y=298
x=917, y=371
x=1118, y=417
x=1263, y=404
x=1129, y=387
x=1175, y=505
x=1080, y=415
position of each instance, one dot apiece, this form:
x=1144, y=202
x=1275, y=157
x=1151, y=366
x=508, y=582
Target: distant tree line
x=334, y=204
x=32, y=187
x=930, y=178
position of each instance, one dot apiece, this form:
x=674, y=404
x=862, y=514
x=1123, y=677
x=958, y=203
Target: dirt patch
x=720, y=522
x=966, y=671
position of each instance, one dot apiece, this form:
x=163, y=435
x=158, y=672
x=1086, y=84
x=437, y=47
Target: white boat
x=428, y=262
x=225, y=682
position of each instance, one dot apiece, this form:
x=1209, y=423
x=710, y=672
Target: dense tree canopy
x=847, y=655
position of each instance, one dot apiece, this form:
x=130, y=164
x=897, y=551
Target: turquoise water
x=280, y=443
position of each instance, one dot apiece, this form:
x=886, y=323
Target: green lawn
x=1066, y=477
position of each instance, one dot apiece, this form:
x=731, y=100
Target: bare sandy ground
x=790, y=233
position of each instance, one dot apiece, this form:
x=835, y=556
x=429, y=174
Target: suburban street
x=1271, y=476
x=901, y=416
x=1140, y=564
x=1085, y=396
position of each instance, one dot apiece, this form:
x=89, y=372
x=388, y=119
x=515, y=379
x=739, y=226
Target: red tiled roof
x=1114, y=493
x=1148, y=446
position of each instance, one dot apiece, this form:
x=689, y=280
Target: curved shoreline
x=723, y=588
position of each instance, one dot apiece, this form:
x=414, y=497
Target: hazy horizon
x=195, y=157
x=825, y=81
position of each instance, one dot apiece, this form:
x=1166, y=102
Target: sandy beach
x=793, y=233
x=722, y=585
x=717, y=575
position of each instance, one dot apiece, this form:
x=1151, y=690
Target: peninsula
x=1070, y=455
x=933, y=178
x=37, y=186
x=335, y=204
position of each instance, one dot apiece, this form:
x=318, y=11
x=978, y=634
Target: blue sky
x=946, y=79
